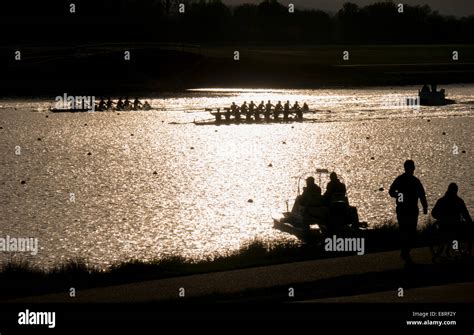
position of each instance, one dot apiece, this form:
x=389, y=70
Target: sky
x=445, y=7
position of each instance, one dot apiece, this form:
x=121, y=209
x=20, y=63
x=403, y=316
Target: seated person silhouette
x=335, y=197
x=311, y=196
x=425, y=89
x=310, y=202
x=451, y=212
x=335, y=190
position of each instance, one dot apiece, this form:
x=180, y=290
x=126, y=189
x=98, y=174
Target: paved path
x=451, y=293
x=230, y=283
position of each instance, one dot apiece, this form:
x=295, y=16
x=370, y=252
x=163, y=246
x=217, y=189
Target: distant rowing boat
x=229, y=116
x=83, y=110
x=251, y=121
x=433, y=97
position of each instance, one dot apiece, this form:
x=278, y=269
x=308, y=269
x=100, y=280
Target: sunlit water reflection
x=197, y=204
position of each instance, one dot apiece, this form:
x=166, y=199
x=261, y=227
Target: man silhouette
x=407, y=189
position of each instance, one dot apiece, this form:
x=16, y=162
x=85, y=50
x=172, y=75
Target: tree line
x=213, y=22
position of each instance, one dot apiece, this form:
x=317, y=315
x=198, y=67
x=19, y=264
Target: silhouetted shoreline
x=99, y=69
x=81, y=50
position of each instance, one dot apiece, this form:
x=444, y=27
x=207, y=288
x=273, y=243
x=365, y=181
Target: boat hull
x=308, y=231
x=314, y=231
x=70, y=110
x=231, y=122
x=85, y=110
x=428, y=102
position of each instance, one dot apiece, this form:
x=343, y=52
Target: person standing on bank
x=407, y=190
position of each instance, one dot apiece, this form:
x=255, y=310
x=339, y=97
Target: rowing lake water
x=155, y=184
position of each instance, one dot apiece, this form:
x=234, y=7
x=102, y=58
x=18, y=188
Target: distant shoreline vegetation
x=211, y=21
x=113, y=48
x=17, y=276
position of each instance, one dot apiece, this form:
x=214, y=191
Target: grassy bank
x=23, y=279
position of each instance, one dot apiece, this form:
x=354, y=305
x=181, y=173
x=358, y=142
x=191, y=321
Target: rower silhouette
x=137, y=104
x=268, y=110
x=120, y=104
x=109, y=103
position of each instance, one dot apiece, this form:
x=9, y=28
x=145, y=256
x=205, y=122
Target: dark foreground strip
x=89, y=317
